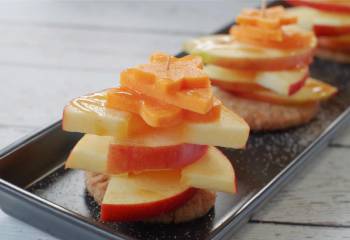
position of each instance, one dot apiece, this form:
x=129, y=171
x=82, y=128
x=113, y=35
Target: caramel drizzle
x=87, y=103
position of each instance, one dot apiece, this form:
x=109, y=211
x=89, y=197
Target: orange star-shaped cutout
x=176, y=81
x=173, y=74
x=270, y=18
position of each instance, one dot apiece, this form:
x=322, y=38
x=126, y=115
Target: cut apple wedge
x=213, y=171
x=90, y=154
x=313, y=91
x=282, y=82
x=93, y=117
x=223, y=50
x=145, y=195
x=323, y=23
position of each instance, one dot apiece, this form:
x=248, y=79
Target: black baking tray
x=35, y=187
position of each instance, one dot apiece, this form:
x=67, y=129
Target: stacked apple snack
x=153, y=137
x=330, y=20
x=265, y=58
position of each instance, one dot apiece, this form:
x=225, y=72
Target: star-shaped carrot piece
x=267, y=28
x=271, y=18
x=172, y=74
x=176, y=81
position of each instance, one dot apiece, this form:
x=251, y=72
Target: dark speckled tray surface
x=34, y=183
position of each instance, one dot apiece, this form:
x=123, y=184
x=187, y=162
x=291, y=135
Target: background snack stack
x=330, y=20
x=263, y=66
x=148, y=149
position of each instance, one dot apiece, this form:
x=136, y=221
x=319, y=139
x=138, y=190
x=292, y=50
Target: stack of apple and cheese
x=330, y=20
x=264, y=59
x=152, y=138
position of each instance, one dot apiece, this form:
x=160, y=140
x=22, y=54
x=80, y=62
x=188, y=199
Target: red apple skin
x=343, y=51
x=332, y=43
x=237, y=87
x=273, y=64
x=298, y=85
x=137, y=212
x=327, y=30
x=331, y=7
x=251, y=87
x=272, y=99
x=139, y=158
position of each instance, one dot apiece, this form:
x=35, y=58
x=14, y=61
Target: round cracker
x=198, y=206
x=263, y=116
x=333, y=55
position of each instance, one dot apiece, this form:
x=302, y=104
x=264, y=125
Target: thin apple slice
x=213, y=172
x=123, y=158
x=237, y=87
x=90, y=154
x=323, y=23
x=225, y=51
x=313, y=91
x=337, y=43
x=282, y=82
x=93, y=117
x=331, y=54
x=285, y=83
x=145, y=195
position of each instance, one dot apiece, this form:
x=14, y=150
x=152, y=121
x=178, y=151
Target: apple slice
x=149, y=194
x=238, y=87
x=323, y=23
x=223, y=50
x=331, y=54
x=123, y=158
x=338, y=43
x=90, y=154
x=313, y=91
x=213, y=172
x=325, y=5
x=282, y=82
x=93, y=117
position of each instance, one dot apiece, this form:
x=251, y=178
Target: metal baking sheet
x=35, y=188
